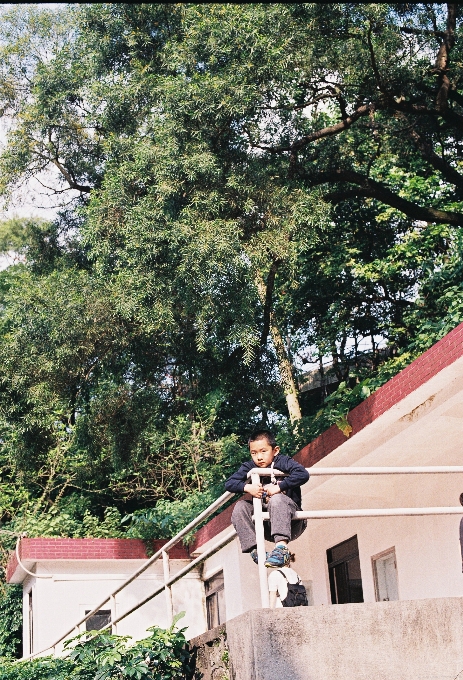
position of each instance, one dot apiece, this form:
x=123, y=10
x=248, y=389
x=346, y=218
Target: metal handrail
x=259, y=515
x=335, y=471
x=373, y=512
x=180, y=574
x=165, y=548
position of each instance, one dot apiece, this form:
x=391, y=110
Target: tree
x=250, y=184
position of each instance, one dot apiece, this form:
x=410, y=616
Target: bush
x=95, y=655
x=11, y=621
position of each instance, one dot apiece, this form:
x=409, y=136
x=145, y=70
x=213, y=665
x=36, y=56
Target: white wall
x=428, y=565
x=76, y=586
x=241, y=579
x=427, y=548
x=427, y=553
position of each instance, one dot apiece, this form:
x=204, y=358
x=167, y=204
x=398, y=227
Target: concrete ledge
x=409, y=640
x=212, y=654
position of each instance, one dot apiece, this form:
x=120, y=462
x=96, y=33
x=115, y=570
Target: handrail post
x=260, y=540
x=167, y=588
x=113, y=614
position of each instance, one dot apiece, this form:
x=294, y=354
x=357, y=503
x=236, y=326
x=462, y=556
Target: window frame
x=212, y=595
x=102, y=612
x=378, y=557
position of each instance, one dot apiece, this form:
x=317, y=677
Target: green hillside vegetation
x=244, y=191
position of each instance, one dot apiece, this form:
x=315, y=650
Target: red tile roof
x=33, y=549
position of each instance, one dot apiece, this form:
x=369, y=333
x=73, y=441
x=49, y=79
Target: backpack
x=297, y=594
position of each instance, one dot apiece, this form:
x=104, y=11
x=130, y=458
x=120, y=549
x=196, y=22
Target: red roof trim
x=34, y=549
x=422, y=369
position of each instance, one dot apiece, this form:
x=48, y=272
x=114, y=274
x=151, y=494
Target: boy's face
x=262, y=453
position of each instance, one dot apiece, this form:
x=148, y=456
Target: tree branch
x=369, y=188
x=329, y=131
x=268, y=302
x=442, y=60
x=299, y=107
x=437, y=162
x=422, y=31
x=66, y=174
x=374, y=65
x=69, y=179
x=422, y=110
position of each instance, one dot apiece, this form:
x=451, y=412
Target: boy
x=278, y=587
x=282, y=499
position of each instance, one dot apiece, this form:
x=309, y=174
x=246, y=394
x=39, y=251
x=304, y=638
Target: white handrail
x=180, y=574
x=373, y=512
x=309, y=514
x=335, y=471
x=165, y=548
x=260, y=543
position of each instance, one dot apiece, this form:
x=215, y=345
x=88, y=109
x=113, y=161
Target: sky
x=31, y=199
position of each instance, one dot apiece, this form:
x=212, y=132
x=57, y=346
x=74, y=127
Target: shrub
x=164, y=655
x=11, y=621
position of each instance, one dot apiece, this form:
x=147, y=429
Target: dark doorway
x=344, y=570
x=31, y=623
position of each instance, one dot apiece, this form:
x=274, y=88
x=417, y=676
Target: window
x=215, y=600
x=98, y=620
x=344, y=572
x=385, y=575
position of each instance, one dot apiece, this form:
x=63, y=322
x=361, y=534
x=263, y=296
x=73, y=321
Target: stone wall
x=405, y=640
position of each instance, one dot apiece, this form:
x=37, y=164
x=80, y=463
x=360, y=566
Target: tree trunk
x=284, y=364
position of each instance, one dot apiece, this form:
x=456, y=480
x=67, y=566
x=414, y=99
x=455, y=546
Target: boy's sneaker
x=254, y=556
x=278, y=557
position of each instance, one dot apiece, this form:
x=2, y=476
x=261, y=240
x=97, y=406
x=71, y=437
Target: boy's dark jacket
x=291, y=485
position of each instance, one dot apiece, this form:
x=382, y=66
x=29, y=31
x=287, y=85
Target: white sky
x=31, y=200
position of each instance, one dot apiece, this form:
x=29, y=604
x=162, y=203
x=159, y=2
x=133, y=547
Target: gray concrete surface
x=409, y=640
x=212, y=654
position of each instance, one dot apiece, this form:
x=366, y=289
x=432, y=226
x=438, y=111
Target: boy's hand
x=272, y=489
x=255, y=490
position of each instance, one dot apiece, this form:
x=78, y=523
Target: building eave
x=33, y=551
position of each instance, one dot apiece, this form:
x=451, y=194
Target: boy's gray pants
x=279, y=528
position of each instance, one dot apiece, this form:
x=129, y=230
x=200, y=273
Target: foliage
x=11, y=601
x=164, y=655
x=60, y=520
x=167, y=518
x=187, y=478
x=247, y=187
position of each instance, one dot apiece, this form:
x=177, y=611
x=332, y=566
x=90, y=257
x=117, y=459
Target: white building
x=416, y=419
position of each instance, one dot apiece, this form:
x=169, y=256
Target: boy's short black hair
x=263, y=434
